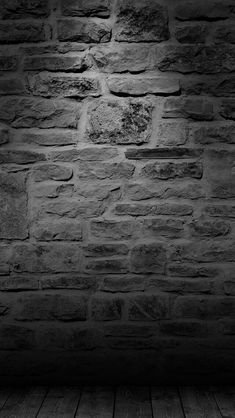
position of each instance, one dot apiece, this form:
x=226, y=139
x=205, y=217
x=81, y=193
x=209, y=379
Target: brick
x=123, y=58
x=171, y=209
x=162, y=153
x=220, y=173
x=120, y=122
x=99, y=8
x=211, y=85
x=51, y=307
x=102, y=192
x=20, y=157
x=106, y=309
x=52, y=190
x=187, y=287
x=40, y=258
x=205, y=228
x=14, y=33
x=19, y=283
x=122, y=283
x=47, y=85
x=8, y=63
x=105, y=250
x=111, y=171
x=140, y=86
x=54, y=63
x=9, y=86
x=194, y=34
x=146, y=191
x=209, y=59
x=228, y=109
x=204, y=252
x=171, y=133
x=148, y=307
x=215, y=133
x=52, y=172
x=116, y=230
x=84, y=154
x=171, y=228
x=113, y=265
x=13, y=207
x=50, y=137
x=39, y=113
x=148, y=258
x=4, y=134
x=171, y=170
x=20, y=9
x=190, y=270
x=57, y=231
x=225, y=211
x=184, y=328
x=225, y=34
x=141, y=21
x=196, y=109
x=204, y=307
x=77, y=30
x=69, y=281
x=210, y=10
x=73, y=208
x=4, y=260
x=17, y=337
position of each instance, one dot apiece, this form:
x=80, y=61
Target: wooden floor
x=121, y=402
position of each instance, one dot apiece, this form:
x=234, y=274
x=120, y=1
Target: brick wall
x=117, y=190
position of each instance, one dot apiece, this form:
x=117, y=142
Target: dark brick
x=113, y=266
x=162, y=153
x=99, y=8
x=209, y=10
x=171, y=170
x=204, y=252
x=4, y=134
x=228, y=109
x=74, y=208
x=205, y=228
x=8, y=63
x=111, y=171
x=215, y=133
x=52, y=172
x=171, y=209
x=225, y=211
x=122, y=283
x=204, y=307
x=14, y=33
x=84, y=154
x=225, y=34
x=76, y=30
x=148, y=307
x=57, y=231
x=105, y=250
x=54, y=63
x=140, y=86
x=196, y=109
x=20, y=9
x=191, y=34
x=20, y=157
x=50, y=138
x=116, y=230
x=172, y=228
x=148, y=258
x=16, y=337
x=141, y=21
x=106, y=309
x=10, y=86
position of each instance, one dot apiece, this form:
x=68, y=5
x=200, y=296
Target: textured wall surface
x=117, y=190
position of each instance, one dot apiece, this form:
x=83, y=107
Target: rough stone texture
x=117, y=212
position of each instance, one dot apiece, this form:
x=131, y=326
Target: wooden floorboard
x=120, y=402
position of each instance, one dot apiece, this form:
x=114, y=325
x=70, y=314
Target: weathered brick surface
x=117, y=212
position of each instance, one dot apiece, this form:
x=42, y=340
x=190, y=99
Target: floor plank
x=199, y=403
x=96, y=402
x=23, y=403
x=133, y=402
x=166, y=403
x=225, y=398
x=60, y=402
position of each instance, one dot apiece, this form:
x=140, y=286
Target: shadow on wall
x=117, y=191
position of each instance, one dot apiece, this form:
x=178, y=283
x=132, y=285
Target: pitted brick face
x=117, y=188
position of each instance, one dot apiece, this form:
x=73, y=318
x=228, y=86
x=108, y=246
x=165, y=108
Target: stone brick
x=39, y=113
x=50, y=137
x=204, y=307
x=228, y=109
x=56, y=258
x=210, y=10
x=14, y=33
x=113, y=265
x=106, y=309
x=8, y=63
x=188, y=34
x=52, y=190
x=139, y=191
x=225, y=211
x=84, y=154
x=114, y=230
x=120, y=122
x=219, y=173
x=197, y=109
x=4, y=260
x=184, y=328
x=205, y=228
x=171, y=170
x=111, y=171
x=19, y=283
x=48, y=85
x=77, y=30
x=102, y=192
x=140, y=86
x=20, y=157
x=141, y=21
x=10, y=86
x=171, y=209
x=74, y=208
x=209, y=59
x=49, y=307
x=53, y=63
x=20, y=9
x=122, y=283
x=193, y=270
x=16, y=337
x=52, y=172
x=105, y=250
x=225, y=34
x=171, y=133
x=215, y=133
x=171, y=228
x=4, y=134
x=204, y=252
x=13, y=206
x=211, y=85
x=57, y=231
x=148, y=258
x=69, y=281
x=123, y=58
x=148, y=307
x=162, y=153
x=99, y=8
